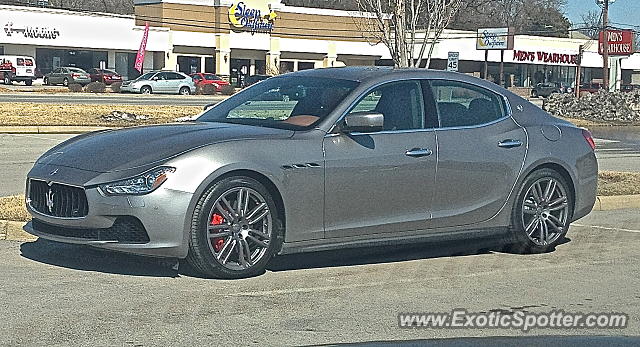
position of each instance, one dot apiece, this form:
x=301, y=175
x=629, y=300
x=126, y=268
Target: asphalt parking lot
x=56, y=294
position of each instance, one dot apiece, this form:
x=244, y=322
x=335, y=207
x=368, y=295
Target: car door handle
x=418, y=152
x=510, y=143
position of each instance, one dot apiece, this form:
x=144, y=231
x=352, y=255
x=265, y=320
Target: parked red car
x=106, y=76
x=209, y=78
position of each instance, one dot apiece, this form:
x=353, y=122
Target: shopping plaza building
x=237, y=38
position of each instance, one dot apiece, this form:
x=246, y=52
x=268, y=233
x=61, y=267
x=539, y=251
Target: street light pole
x=605, y=45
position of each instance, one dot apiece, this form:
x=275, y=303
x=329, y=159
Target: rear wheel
x=46, y=81
x=28, y=82
x=542, y=212
x=185, y=91
x=235, y=229
x=534, y=94
x=65, y=82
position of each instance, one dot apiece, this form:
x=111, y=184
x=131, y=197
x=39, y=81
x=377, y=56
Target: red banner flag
x=143, y=48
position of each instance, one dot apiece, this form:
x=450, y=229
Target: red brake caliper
x=217, y=243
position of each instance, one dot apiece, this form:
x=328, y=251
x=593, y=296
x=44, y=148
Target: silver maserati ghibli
x=317, y=160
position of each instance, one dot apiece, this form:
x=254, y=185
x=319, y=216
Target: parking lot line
x=607, y=228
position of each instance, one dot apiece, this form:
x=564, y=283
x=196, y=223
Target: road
x=56, y=294
x=618, y=150
x=108, y=99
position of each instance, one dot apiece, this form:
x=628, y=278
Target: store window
x=261, y=67
x=306, y=65
x=1, y=50
x=189, y=65
x=209, y=65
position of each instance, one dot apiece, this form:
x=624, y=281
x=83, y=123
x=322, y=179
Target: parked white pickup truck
x=17, y=68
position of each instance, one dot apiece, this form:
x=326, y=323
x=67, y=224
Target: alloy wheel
x=545, y=211
x=239, y=228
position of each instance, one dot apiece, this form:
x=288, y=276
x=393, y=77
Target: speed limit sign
x=452, y=63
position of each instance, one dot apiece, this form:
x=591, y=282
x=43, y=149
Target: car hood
x=124, y=149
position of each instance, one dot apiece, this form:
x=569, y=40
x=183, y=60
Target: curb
x=12, y=231
x=616, y=202
x=70, y=129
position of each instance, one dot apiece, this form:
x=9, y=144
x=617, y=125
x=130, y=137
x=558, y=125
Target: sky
x=622, y=11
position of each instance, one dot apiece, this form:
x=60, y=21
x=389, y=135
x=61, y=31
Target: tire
x=220, y=257
x=65, y=82
x=146, y=90
x=534, y=94
x=539, y=218
x=184, y=91
x=28, y=82
x=46, y=82
x=7, y=79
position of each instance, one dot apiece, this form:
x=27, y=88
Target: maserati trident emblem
x=49, y=196
x=53, y=172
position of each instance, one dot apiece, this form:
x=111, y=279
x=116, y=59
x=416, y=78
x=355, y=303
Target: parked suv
x=17, y=68
x=548, y=88
x=66, y=76
x=167, y=82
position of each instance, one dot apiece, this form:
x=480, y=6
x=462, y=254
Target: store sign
x=31, y=32
x=254, y=16
x=620, y=42
x=545, y=57
x=494, y=38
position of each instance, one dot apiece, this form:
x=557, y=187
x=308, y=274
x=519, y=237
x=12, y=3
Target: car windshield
x=283, y=102
x=146, y=76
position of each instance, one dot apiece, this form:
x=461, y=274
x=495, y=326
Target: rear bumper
x=586, y=185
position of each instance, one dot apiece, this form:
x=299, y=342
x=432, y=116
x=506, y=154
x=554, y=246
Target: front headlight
x=139, y=185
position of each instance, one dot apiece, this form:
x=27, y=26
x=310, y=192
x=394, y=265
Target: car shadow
x=85, y=258
x=383, y=254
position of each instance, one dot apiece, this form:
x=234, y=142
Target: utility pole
x=605, y=45
x=579, y=70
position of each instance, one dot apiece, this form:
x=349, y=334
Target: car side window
x=461, y=104
x=175, y=76
x=400, y=103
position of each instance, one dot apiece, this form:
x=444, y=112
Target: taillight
x=587, y=136
x=75, y=75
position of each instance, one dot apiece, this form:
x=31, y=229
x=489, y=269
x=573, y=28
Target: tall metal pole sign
x=494, y=39
x=452, y=63
x=143, y=49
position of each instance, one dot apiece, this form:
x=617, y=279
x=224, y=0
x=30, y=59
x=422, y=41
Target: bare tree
x=409, y=28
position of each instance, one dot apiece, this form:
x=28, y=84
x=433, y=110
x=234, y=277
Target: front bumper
x=161, y=215
x=130, y=88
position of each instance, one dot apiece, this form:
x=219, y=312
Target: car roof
x=369, y=73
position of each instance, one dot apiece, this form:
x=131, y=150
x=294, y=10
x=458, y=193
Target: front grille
x=125, y=229
x=58, y=200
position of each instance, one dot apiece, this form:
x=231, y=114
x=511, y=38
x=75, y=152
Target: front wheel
x=185, y=91
x=542, y=212
x=235, y=229
x=145, y=90
x=6, y=79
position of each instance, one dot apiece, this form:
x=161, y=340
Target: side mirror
x=363, y=122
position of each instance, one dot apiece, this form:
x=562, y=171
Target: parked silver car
x=161, y=82
x=344, y=157
x=66, y=76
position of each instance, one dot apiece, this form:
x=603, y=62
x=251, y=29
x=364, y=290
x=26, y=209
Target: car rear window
x=28, y=62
